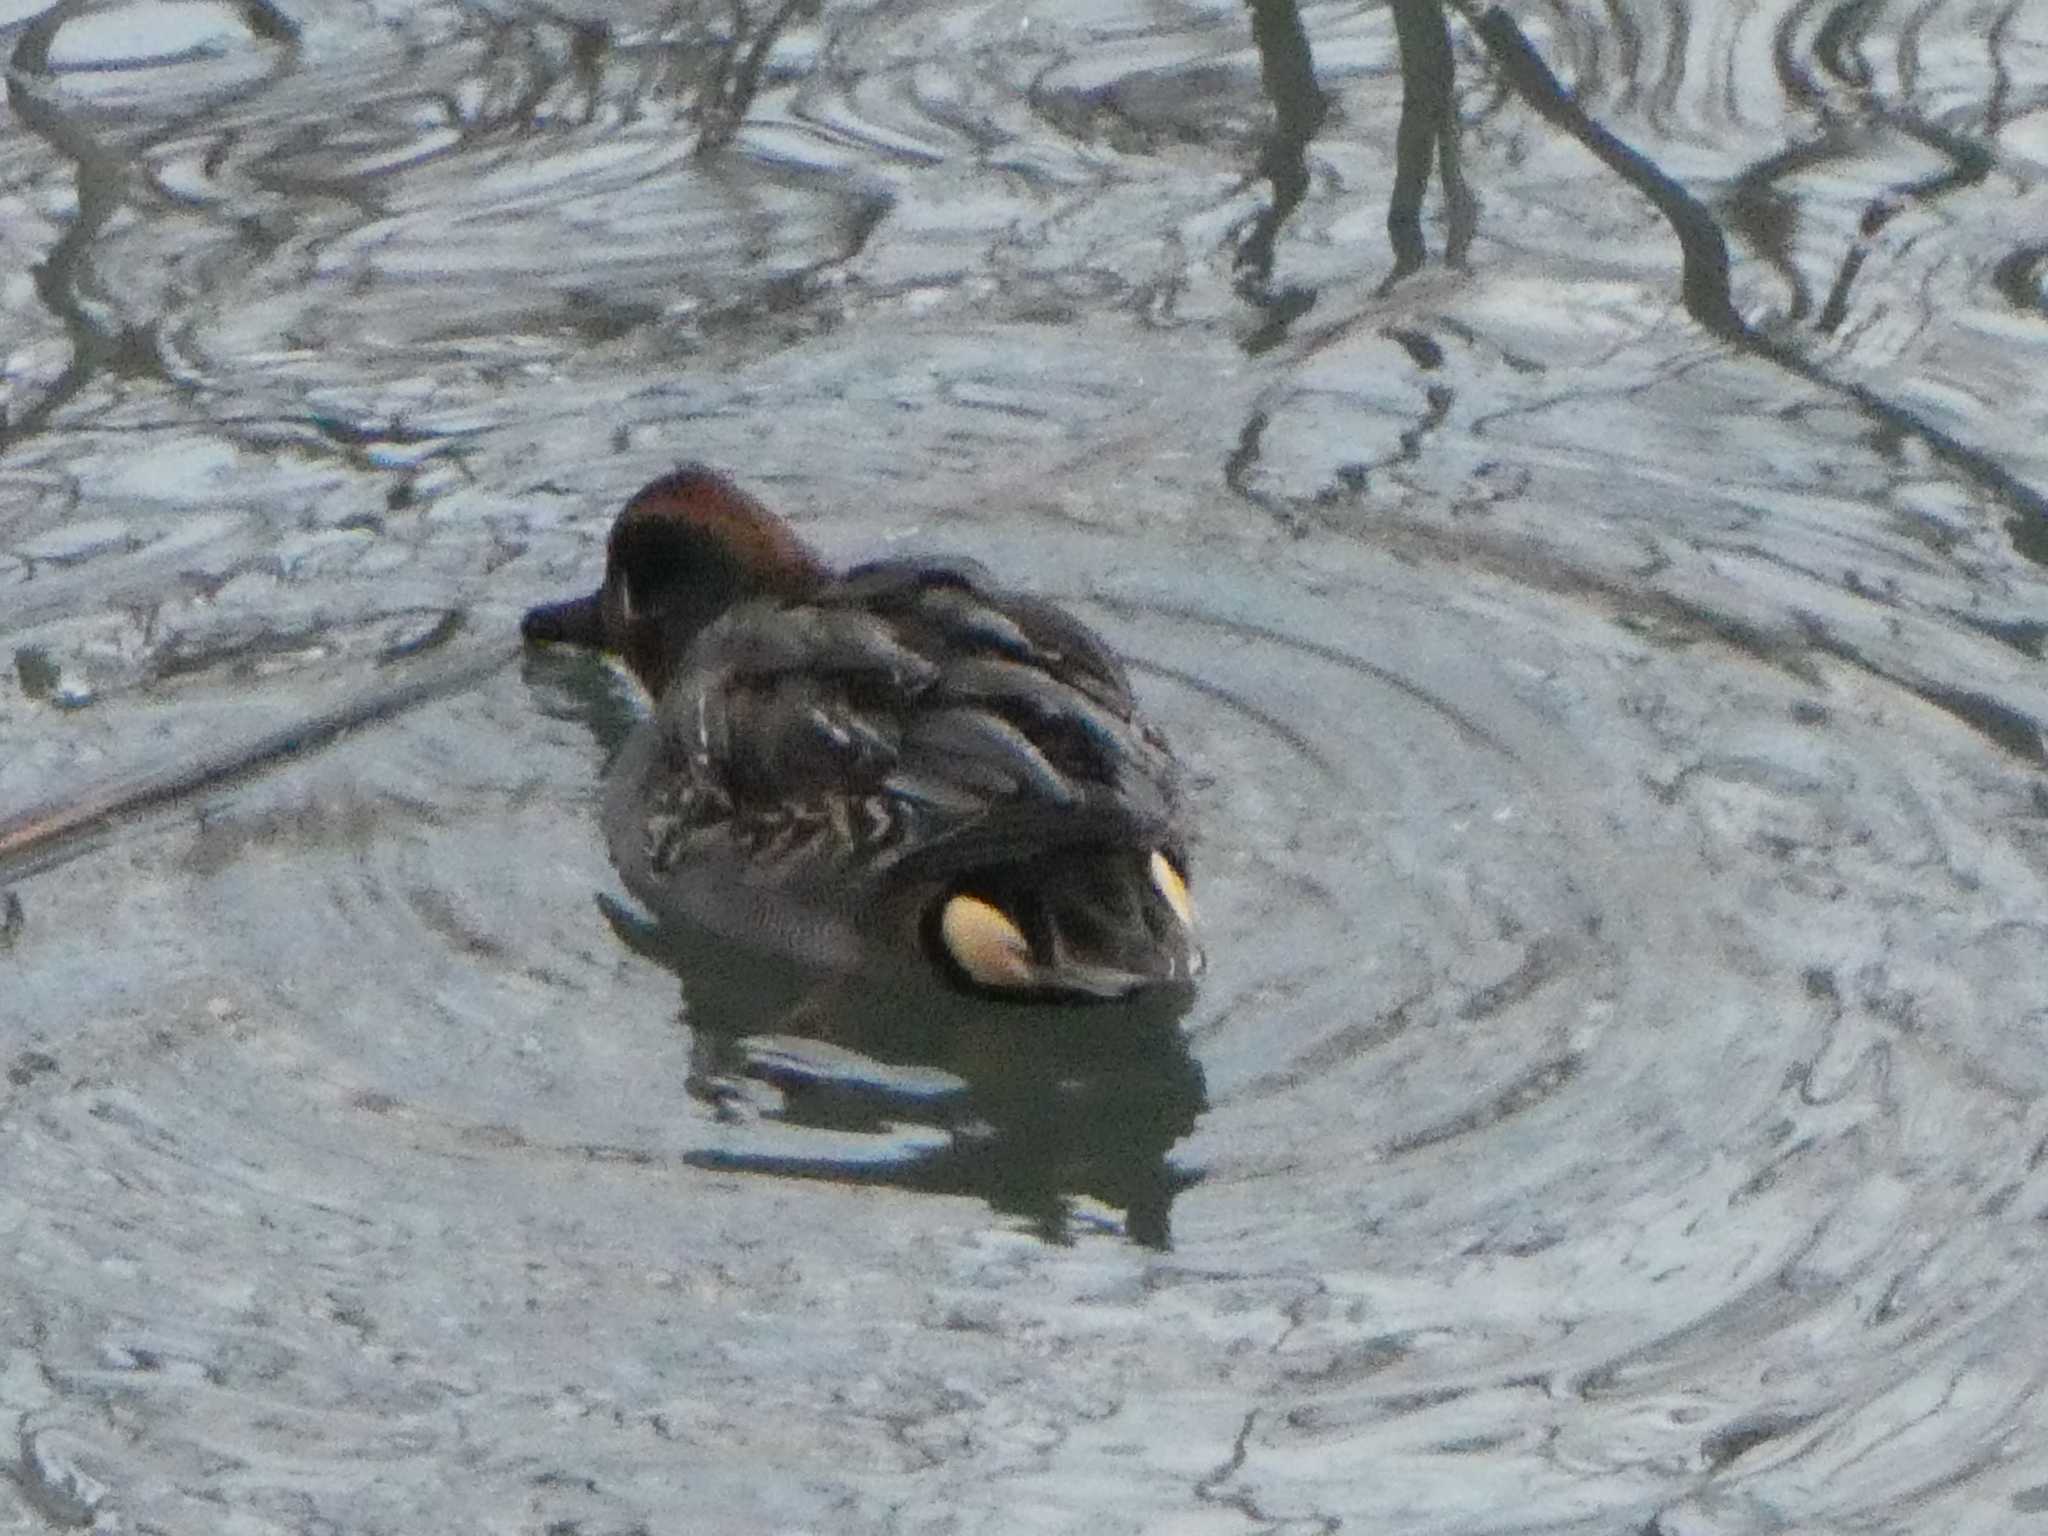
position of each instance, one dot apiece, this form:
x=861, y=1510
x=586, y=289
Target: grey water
x=1569, y=480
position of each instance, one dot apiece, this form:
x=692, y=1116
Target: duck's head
x=686, y=548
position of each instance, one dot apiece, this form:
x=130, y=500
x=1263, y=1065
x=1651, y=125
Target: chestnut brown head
x=685, y=549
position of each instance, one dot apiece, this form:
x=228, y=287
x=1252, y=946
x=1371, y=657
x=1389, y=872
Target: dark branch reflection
x=1428, y=134
x=1287, y=72
x=1426, y=139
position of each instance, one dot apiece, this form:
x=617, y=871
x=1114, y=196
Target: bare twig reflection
x=735, y=77
x=1703, y=250
x=1428, y=133
x=1287, y=71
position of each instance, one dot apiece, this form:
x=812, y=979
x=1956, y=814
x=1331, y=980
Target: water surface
x=1575, y=501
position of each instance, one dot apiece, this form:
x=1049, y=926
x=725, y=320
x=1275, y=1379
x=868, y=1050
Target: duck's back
x=822, y=775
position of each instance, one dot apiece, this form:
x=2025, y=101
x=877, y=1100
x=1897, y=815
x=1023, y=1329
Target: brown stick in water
x=35, y=839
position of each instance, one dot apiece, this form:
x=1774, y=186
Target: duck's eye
x=648, y=586
x=990, y=949
x=1173, y=886
x=654, y=558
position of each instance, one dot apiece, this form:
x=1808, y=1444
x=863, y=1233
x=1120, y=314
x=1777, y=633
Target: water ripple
x=1615, y=1102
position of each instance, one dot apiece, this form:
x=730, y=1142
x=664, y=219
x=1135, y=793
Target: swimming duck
x=903, y=764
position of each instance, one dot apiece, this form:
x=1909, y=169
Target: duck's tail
x=1073, y=923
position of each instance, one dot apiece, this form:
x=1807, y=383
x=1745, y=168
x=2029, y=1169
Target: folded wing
x=915, y=720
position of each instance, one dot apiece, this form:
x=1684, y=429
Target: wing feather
x=915, y=715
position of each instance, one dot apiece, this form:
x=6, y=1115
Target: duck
x=904, y=766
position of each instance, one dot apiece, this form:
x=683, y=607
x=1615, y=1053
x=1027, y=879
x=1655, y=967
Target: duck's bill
x=575, y=621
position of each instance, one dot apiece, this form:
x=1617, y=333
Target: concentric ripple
x=1478, y=950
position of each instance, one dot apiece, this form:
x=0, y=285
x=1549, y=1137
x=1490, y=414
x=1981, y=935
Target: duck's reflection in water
x=1038, y=1110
